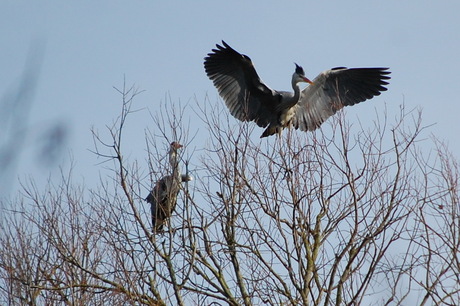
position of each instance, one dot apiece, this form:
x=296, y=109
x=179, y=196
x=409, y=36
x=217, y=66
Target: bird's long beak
x=306, y=80
x=176, y=145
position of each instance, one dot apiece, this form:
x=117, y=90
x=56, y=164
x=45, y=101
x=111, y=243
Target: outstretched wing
x=246, y=96
x=333, y=89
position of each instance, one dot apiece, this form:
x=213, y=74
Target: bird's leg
x=279, y=131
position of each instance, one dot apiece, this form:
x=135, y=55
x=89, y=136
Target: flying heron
x=249, y=99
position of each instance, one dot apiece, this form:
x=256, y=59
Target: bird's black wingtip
x=225, y=46
x=384, y=75
x=222, y=45
x=383, y=70
x=223, y=50
x=219, y=49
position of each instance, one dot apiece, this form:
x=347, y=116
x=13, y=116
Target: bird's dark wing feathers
x=158, y=200
x=238, y=83
x=162, y=200
x=333, y=89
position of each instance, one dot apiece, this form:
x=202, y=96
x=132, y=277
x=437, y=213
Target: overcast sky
x=84, y=48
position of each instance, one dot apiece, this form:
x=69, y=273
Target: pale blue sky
x=89, y=46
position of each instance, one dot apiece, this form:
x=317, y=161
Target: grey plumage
x=163, y=197
x=249, y=99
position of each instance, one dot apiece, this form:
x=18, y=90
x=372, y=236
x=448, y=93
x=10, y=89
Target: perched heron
x=163, y=197
x=249, y=99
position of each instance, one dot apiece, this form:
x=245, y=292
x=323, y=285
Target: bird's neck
x=174, y=161
x=296, y=96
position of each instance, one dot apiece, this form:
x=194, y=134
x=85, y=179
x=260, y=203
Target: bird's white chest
x=286, y=116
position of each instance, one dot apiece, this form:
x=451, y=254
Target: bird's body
x=249, y=99
x=163, y=197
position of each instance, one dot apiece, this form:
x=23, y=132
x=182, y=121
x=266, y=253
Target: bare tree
x=345, y=215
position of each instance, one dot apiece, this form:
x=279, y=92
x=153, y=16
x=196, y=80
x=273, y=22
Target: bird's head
x=299, y=75
x=175, y=146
